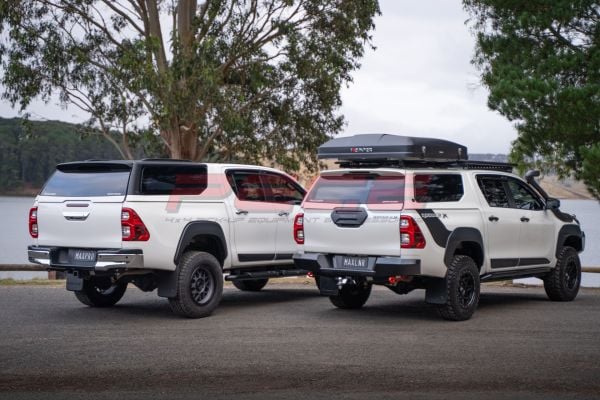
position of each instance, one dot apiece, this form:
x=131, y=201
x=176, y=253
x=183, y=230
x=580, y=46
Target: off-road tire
x=100, y=292
x=462, y=289
x=252, y=285
x=199, y=285
x=562, y=283
x=352, y=296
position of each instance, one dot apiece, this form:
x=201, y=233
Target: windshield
x=358, y=188
x=87, y=184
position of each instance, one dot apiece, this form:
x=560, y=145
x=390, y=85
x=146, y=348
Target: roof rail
x=459, y=164
x=165, y=159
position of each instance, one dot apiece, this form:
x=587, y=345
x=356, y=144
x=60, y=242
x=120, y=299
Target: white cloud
x=420, y=81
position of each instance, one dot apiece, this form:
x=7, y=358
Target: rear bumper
x=379, y=267
x=106, y=259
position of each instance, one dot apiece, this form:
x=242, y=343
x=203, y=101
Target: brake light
x=132, y=227
x=33, y=222
x=411, y=236
x=299, y=229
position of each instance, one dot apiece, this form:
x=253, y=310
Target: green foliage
x=540, y=60
x=231, y=79
x=591, y=168
x=30, y=150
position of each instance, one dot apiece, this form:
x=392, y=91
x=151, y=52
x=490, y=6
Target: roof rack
x=460, y=164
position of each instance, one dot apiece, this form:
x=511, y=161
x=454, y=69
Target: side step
x=515, y=274
x=265, y=274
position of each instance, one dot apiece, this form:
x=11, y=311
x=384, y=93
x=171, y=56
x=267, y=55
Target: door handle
x=76, y=216
x=493, y=218
x=283, y=213
x=241, y=212
x=524, y=219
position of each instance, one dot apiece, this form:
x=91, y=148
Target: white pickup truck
x=173, y=225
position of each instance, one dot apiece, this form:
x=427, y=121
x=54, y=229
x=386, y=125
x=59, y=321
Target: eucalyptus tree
x=235, y=79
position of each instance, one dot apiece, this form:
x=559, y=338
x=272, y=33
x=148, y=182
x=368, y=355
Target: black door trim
x=256, y=257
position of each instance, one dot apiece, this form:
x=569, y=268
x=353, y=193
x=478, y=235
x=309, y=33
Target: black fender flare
x=461, y=235
x=167, y=284
x=200, y=228
x=565, y=232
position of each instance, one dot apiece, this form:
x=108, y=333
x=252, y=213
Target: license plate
x=82, y=256
x=354, y=263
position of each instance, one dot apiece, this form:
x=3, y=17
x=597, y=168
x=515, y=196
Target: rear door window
x=494, y=191
x=438, y=187
x=173, y=180
x=87, y=181
x=358, y=188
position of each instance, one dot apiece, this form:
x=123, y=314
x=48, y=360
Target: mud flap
x=436, y=291
x=167, y=283
x=328, y=286
x=74, y=283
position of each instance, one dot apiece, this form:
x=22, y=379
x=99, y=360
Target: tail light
x=299, y=229
x=132, y=226
x=411, y=236
x=33, y=222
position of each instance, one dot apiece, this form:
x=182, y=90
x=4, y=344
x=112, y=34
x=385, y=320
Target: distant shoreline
x=554, y=188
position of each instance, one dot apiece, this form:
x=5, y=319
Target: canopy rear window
x=87, y=182
x=358, y=188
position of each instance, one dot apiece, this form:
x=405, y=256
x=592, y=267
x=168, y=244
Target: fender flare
x=200, y=228
x=565, y=232
x=461, y=235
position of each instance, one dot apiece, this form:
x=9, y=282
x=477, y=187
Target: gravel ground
x=287, y=342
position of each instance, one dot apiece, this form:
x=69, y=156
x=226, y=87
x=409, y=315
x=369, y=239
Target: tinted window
x=280, y=189
x=87, y=183
x=493, y=191
x=358, y=189
x=178, y=180
x=522, y=197
x=247, y=185
x=438, y=187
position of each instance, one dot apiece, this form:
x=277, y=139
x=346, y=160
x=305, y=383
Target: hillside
x=30, y=150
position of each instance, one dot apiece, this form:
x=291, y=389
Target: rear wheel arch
x=199, y=236
x=206, y=236
x=466, y=242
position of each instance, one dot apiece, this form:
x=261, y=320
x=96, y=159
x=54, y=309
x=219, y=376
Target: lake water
x=14, y=235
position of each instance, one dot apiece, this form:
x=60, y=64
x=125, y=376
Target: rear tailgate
x=81, y=204
x=354, y=213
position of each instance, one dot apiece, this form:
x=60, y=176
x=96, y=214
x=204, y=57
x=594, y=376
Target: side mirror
x=552, y=204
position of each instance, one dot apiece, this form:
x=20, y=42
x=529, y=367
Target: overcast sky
x=419, y=81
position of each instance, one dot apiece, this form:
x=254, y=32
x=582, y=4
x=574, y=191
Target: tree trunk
x=183, y=141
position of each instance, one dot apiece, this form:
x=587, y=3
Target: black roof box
x=380, y=147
